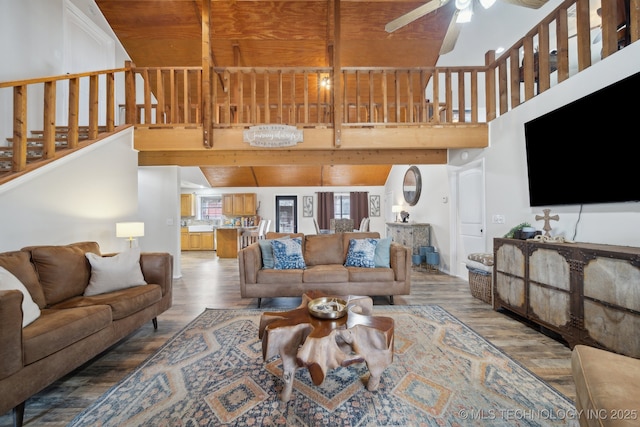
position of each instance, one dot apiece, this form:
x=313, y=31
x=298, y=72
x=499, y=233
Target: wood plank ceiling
x=280, y=33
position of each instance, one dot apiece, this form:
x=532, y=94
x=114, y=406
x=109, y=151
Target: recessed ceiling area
x=296, y=176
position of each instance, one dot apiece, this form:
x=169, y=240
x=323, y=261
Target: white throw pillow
x=112, y=273
x=30, y=310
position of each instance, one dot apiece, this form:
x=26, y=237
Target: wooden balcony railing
x=306, y=97
x=244, y=96
x=566, y=42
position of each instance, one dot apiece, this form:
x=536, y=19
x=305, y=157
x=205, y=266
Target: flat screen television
x=586, y=152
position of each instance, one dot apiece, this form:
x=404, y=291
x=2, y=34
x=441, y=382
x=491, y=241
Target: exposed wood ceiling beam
x=292, y=157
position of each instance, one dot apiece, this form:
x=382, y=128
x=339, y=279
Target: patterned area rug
x=443, y=374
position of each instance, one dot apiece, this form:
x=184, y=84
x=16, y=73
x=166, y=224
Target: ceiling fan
x=461, y=15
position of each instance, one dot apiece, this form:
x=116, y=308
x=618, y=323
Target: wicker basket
x=480, y=284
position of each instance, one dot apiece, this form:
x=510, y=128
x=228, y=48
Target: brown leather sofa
x=71, y=328
x=324, y=256
x=607, y=387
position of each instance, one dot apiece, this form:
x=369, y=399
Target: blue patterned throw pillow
x=266, y=250
x=287, y=254
x=362, y=253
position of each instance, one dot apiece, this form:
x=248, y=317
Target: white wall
x=159, y=208
x=506, y=169
x=77, y=198
x=81, y=197
x=431, y=207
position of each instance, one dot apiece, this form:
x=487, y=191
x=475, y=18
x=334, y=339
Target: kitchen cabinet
x=187, y=205
x=196, y=241
x=227, y=204
x=239, y=204
x=184, y=239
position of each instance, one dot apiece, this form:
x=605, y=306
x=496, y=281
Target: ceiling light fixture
x=463, y=4
x=487, y=3
x=465, y=14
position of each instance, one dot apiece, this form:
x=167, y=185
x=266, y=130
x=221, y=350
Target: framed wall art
x=374, y=205
x=307, y=206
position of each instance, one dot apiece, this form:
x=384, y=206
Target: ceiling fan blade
x=532, y=4
x=416, y=13
x=451, y=37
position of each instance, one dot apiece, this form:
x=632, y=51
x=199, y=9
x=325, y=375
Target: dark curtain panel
x=359, y=201
x=325, y=209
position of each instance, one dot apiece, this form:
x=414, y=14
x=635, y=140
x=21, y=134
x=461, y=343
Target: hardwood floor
x=209, y=281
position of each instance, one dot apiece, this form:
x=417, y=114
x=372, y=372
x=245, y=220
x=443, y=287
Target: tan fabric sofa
x=607, y=387
x=325, y=256
x=71, y=328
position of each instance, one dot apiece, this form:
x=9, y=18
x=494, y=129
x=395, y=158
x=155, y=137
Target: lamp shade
x=129, y=229
x=396, y=208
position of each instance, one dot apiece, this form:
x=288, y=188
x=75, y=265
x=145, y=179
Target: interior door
x=287, y=214
x=471, y=218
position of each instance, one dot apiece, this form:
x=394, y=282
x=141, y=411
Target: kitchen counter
x=228, y=239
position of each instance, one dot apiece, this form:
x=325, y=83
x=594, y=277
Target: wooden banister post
x=490, y=82
x=111, y=100
x=74, y=103
x=19, y=159
x=207, y=64
x=634, y=20
x=93, y=107
x=130, y=93
x=337, y=85
x=49, y=121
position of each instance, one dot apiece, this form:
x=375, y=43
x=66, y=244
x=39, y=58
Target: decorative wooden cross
x=547, y=218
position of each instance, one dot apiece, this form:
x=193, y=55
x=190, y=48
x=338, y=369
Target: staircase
x=35, y=147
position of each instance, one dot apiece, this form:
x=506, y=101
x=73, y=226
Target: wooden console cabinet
x=586, y=293
x=410, y=234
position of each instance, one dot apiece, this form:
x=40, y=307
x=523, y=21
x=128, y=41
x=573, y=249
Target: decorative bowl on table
x=327, y=307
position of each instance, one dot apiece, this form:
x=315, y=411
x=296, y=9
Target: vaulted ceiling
x=282, y=33
x=276, y=33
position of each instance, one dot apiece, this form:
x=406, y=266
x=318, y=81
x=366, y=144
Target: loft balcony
x=194, y=116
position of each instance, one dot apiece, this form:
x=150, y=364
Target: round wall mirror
x=412, y=185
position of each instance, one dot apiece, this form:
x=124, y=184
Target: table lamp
x=396, y=209
x=130, y=230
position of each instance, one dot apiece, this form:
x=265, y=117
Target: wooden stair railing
x=24, y=149
x=35, y=145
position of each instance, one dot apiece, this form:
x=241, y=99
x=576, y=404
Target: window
x=210, y=207
x=341, y=206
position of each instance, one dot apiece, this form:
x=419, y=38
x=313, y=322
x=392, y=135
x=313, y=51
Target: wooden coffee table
x=303, y=340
